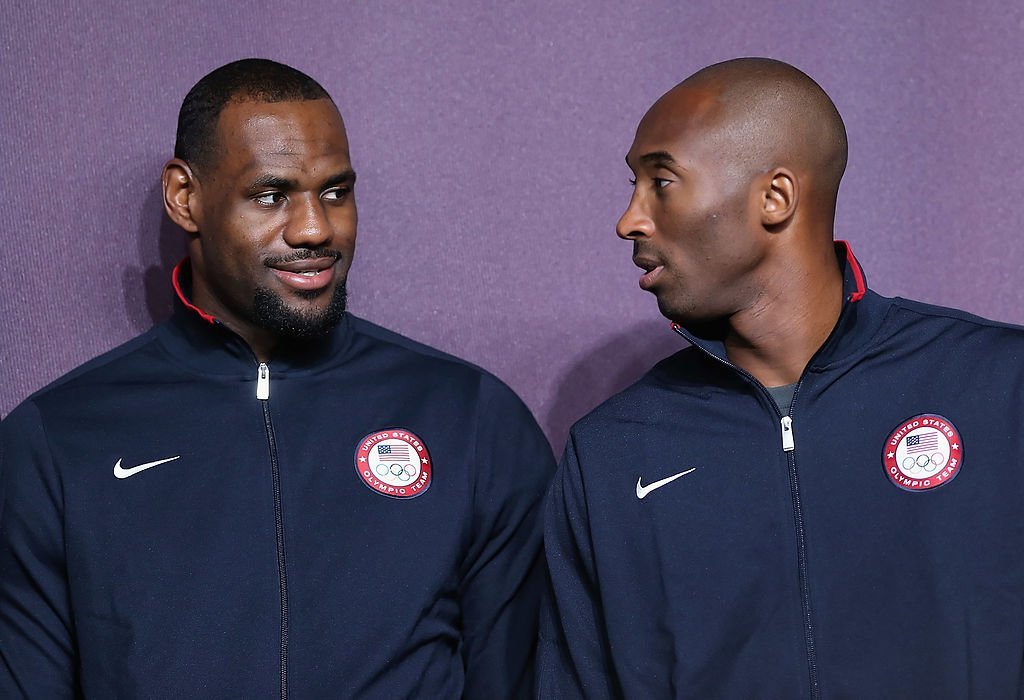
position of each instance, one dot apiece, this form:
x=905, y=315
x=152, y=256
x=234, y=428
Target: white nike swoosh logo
x=125, y=473
x=642, y=491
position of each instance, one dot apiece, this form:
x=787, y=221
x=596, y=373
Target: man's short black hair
x=250, y=79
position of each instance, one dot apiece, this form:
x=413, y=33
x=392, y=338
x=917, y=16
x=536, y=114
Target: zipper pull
x=788, y=445
x=263, y=382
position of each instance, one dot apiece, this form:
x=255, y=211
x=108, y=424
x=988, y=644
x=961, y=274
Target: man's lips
x=652, y=270
x=306, y=274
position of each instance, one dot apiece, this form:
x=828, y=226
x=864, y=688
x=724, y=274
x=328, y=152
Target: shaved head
x=766, y=114
x=737, y=173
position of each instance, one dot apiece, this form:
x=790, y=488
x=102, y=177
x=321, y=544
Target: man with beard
x=821, y=496
x=266, y=496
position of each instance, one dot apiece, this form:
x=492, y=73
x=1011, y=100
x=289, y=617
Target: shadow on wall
x=148, y=295
x=613, y=365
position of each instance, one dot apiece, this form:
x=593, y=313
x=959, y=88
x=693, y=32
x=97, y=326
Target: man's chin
x=299, y=320
x=698, y=322
x=672, y=311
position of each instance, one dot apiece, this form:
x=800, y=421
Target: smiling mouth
x=306, y=274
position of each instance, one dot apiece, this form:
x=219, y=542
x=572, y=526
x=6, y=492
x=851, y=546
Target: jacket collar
x=198, y=339
x=861, y=317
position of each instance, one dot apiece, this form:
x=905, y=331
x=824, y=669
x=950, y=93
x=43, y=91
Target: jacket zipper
x=788, y=448
x=263, y=395
x=788, y=443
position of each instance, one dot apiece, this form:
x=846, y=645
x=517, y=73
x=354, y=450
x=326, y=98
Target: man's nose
x=308, y=225
x=634, y=222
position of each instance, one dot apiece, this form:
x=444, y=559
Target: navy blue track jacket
x=702, y=546
x=369, y=530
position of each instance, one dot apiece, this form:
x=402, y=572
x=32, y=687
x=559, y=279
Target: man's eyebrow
x=345, y=177
x=269, y=181
x=272, y=182
x=658, y=158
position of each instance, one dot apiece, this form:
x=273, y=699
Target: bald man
x=821, y=497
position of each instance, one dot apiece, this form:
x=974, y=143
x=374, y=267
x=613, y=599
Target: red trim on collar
x=858, y=273
x=176, y=283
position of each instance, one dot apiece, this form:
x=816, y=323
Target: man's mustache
x=303, y=254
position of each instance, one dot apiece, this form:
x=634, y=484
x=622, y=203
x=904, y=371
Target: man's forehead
x=678, y=115
x=280, y=119
x=261, y=134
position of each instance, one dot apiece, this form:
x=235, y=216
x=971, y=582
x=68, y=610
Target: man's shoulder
x=953, y=324
x=682, y=375
x=107, y=367
x=425, y=363
x=396, y=342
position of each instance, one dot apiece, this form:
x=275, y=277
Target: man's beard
x=270, y=312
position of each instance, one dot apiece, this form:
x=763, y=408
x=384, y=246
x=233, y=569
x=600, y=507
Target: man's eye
x=660, y=182
x=336, y=194
x=269, y=199
x=632, y=182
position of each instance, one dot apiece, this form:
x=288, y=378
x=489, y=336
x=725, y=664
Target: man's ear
x=181, y=198
x=779, y=198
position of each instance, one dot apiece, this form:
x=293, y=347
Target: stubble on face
x=271, y=313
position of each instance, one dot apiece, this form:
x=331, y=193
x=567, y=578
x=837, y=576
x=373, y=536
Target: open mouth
x=307, y=274
x=652, y=270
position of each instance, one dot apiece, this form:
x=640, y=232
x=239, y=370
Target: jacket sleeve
x=36, y=648
x=574, y=660
x=502, y=575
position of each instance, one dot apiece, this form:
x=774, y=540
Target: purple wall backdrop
x=489, y=145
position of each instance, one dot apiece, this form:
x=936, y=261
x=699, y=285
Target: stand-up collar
x=855, y=284
x=860, y=318
x=199, y=340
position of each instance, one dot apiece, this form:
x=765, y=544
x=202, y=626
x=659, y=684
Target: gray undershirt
x=783, y=396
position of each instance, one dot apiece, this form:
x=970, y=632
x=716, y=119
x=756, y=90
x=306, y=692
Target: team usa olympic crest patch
x=395, y=463
x=923, y=453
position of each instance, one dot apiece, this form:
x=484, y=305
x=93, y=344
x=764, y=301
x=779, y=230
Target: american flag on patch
x=922, y=443
x=395, y=451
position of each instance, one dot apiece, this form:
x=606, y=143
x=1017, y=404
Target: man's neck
x=776, y=338
x=263, y=345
